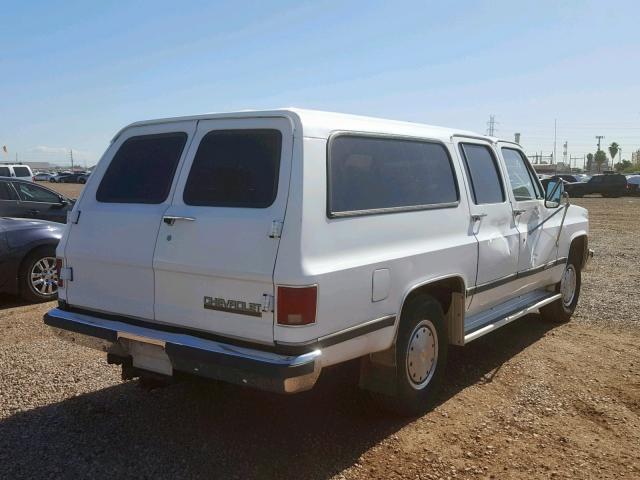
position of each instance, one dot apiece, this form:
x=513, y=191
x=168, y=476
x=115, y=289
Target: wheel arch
x=579, y=249
x=450, y=292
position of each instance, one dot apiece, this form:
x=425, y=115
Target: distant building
x=39, y=165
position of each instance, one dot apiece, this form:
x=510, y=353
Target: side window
x=235, y=168
x=522, y=183
x=7, y=192
x=484, y=176
x=22, y=171
x=5, y=172
x=371, y=173
x=142, y=170
x=32, y=193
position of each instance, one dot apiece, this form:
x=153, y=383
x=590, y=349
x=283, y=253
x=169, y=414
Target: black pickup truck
x=608, y=185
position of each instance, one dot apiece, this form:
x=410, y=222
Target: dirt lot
x=531, y=400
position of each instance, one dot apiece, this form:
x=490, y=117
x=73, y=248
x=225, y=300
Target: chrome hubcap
x=568, y=285
x=44, y=278
x=422, y=354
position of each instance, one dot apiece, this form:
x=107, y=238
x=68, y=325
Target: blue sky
x=72, y=73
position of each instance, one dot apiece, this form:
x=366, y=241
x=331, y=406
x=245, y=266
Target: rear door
x=110, y=248
x=491, y=222
x=216, y=252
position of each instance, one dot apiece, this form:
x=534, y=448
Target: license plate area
x=146, y=353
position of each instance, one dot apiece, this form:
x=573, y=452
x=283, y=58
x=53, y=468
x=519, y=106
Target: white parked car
x=261, y=247
x=16, y=170
x=43, y=176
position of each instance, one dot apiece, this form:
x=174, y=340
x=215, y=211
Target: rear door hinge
x=276, y=229
x=66, y=273
x=73, y=216
x=267, y=302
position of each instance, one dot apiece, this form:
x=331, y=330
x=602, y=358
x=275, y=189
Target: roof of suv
x=320, y=124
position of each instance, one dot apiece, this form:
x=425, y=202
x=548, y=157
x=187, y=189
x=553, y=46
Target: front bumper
x=191, y=354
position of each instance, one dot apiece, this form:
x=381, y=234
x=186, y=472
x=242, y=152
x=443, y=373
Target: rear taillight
x=58, y=270
x=297, y=305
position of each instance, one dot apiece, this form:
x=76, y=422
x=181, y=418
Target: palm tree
x=613, y=151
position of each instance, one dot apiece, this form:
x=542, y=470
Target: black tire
x=416, y=394
x=82, y=181
x=30, y=265
x=562, y=309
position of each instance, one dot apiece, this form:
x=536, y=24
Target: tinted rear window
x=235, y=168
x=142, y=170
x=370, y=174
x=5, y=172
x=482, y=168
x=21, y=171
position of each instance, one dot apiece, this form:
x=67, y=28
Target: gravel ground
x=531, y=400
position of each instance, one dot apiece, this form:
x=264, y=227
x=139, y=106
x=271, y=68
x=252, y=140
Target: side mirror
x=63, y=201
x=554, y=193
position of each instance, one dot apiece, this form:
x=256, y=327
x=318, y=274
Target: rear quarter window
x=7, y=192
x=22, y=172
x=369, y=174
x=5, y=172
x=142, y=170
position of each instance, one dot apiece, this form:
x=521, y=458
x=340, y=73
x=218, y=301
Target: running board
x=494, y=324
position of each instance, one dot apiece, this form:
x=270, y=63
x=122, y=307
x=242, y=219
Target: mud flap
x=378, y=372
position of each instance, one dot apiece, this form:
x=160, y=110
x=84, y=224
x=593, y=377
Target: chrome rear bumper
x=190, y=354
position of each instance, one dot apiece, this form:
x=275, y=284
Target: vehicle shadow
x=11, y=301
x=206, y=429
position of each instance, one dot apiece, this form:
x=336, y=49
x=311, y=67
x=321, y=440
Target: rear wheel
x=38, y=276
x=562, y=309
x=421, y=356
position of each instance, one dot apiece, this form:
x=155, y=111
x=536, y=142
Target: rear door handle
x=171, y=219
x=33, y=212
x=518, y=211
x=477, y=216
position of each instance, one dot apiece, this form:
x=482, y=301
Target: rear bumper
x=189, y=354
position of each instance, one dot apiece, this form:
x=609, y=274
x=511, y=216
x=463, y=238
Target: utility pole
x=555, y=138
x=491, y=126
x=599, y=137
x=71, y=157
x=564, y=152
x=516, y=137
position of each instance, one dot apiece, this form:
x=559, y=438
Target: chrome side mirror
x=554, y=193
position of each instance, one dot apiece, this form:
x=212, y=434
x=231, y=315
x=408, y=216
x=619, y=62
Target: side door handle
x=171, y=219
x=33, y=211
x=478, y=216
x=518, y=211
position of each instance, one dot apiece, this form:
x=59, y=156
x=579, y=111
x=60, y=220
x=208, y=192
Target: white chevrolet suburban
x=260, y=247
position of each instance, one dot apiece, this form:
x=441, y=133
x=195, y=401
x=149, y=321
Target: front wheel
x=421, y=357
x=562, y=309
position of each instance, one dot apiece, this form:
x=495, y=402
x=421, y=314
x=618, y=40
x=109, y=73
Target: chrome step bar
x=500, y=322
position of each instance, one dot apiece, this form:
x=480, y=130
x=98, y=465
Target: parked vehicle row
x=70, y=177
x=260, y=247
